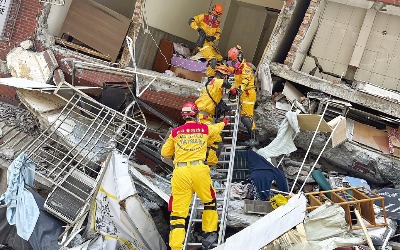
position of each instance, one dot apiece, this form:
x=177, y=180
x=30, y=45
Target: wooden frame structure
x=359, y=198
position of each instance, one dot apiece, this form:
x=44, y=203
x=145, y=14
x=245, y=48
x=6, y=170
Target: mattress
x=195, y=66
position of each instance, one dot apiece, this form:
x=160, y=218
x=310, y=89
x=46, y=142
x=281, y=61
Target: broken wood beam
x=361, y=221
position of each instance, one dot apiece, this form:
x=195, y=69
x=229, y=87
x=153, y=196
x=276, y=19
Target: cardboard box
x=187, y=74
x=309, y=122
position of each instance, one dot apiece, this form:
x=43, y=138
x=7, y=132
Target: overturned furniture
x=359, y=198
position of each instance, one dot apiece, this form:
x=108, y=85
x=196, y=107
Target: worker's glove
x=225, y=61
x=226, y=121
x=210, y=38
x=201, y=32
x=233, y=92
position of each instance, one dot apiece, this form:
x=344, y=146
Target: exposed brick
x=7, y=94
x=25, y=25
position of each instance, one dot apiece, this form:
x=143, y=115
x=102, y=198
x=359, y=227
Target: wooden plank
x=314, y=201
x=340, y=134
x=81, y=48
x=360, y=220
x=383, y=144
x=302, y=233
x=366, y=206
x=365, y=134
x=291, y=92
x=96, y=26
x=358, y=199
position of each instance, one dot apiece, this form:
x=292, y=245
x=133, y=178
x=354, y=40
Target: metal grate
x=70, y=152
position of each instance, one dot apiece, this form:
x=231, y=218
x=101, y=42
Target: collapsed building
x=313, y=50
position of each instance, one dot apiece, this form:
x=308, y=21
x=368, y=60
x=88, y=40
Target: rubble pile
x=291, y=168
x=20, y=118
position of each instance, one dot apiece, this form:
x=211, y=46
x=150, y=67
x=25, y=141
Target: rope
x=308, y=150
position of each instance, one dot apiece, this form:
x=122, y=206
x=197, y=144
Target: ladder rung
x=228, y=137
x=223, y=170
x=199, y=220
x=193, y=244
x=198, y=244
x=202, y=208
x=216, y=179
x=237, y=147
x=231, y=104
x=218, y=199
x=223, y=161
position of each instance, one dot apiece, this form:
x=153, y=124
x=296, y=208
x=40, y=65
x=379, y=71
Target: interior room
x=101, y=34
x=353, y=36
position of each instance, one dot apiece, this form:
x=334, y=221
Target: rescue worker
x=244, y=84
x=207, y=103
x=209, y=31
x=188, y=145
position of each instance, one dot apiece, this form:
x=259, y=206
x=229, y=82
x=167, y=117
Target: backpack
x=220, y=108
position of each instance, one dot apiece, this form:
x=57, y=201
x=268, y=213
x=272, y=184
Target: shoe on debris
x=215, y=174
x=208, y=240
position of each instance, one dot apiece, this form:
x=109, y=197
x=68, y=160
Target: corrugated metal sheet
x=146, y=47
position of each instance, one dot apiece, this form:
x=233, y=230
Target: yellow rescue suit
x=212, y=29
x=207, y=111
x=188, y=145
x=244, y=80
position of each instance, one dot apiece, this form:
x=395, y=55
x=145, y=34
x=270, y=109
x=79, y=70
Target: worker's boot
x=208, y=240
x=253, y=140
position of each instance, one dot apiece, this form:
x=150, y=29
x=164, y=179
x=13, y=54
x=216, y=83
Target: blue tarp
x=262, y=173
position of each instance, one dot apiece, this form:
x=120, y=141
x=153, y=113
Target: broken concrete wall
x=345, y=92
x=278, y=34
x=348, y=156
x=24, y=63
x=342, y=34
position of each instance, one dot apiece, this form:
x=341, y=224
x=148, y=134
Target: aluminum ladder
x=226, y=163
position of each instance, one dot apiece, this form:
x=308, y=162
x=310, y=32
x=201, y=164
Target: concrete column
x=363, y=38
x=361, y=44
x=57, y=16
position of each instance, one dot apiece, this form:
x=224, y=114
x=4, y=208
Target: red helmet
x=189, y=109
x=217, y=10
x=234, y=52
